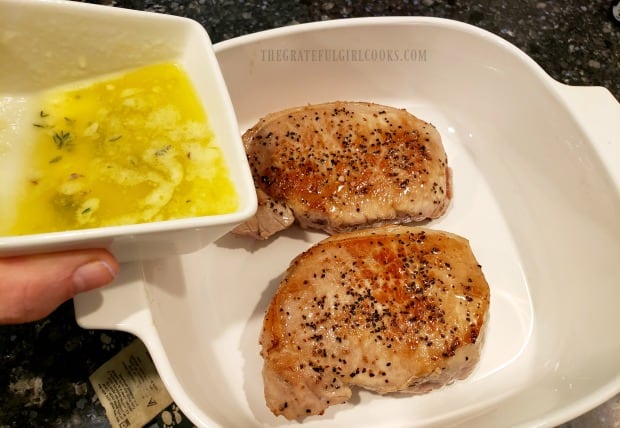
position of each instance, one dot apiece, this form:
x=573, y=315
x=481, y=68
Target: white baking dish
x=536, y=190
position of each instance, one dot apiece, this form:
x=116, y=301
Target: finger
x=31, y=287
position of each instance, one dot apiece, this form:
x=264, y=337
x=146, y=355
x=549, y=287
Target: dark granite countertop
x=44, y=366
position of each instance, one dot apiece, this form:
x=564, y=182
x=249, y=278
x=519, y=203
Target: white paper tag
x=129, y=388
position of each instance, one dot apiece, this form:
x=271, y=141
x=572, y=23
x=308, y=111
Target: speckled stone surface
x=44, y=366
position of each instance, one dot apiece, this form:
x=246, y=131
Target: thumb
x=31, y=287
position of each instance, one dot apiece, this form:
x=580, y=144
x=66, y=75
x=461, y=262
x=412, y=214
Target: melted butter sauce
x=129, y=149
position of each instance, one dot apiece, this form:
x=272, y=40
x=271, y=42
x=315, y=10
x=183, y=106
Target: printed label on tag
x=129, y=388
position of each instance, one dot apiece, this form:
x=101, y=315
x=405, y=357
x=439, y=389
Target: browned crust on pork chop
x=342, y=166
x=396, y=308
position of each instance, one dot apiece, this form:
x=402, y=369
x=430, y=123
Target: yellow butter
x=128, y=149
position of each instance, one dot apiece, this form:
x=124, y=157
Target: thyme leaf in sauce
x=163, y=150
x=61, y=139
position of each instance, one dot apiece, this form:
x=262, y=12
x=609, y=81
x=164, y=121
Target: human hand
x=31, y=287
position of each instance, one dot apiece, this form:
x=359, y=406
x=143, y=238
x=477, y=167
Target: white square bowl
x=536, y=191
x=44, y=44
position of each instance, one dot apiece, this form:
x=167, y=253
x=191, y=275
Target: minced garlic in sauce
x=130, y=149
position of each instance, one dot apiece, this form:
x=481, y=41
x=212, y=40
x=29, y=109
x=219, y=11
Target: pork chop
x=396, y=308
x=341, y=166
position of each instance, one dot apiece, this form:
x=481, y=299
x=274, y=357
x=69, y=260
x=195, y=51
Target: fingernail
x=92, y=275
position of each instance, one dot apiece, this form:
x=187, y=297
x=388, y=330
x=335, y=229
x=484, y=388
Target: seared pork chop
x=396, y=308
x=342, y=166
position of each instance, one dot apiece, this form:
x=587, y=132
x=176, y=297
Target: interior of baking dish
x=531, y=193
